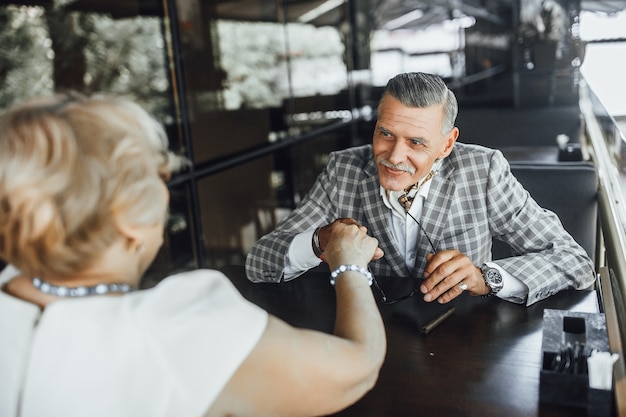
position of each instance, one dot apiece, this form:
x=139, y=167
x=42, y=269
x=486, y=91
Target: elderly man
x=434, y=205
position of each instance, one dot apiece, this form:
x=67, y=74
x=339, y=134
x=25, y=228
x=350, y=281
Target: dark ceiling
x=332, y=12
x=383, y=11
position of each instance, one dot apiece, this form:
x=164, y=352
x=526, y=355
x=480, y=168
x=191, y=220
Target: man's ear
x=450, y=140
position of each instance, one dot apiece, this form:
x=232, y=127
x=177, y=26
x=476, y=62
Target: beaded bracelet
x=343, y=268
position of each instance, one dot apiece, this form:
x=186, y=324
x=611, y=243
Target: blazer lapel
x=376, y=214
x=434, y=214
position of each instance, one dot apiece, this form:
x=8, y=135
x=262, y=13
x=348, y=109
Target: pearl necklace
x=82, y=291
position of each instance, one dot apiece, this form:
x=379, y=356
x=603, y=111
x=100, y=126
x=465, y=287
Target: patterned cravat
x=407, y=198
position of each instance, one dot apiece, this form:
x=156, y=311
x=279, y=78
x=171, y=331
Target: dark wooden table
x=484, y=360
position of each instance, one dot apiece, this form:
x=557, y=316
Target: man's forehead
x=400, y=115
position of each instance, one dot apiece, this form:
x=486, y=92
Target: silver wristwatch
x=492, y=278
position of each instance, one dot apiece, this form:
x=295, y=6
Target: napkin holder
x=561, y=328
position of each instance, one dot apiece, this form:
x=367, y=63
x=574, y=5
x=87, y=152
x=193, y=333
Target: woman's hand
x=349, y=244
x=337, y=231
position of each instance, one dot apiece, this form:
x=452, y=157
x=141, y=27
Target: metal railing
x=606, y=146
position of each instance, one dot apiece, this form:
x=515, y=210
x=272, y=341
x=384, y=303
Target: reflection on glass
x=263, y=68
x=237, y=207
x=57, y=48
x=260, y=65
x=109, y=47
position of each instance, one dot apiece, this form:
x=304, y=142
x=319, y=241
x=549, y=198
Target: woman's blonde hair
x=69, y=167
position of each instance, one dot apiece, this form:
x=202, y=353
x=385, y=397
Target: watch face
x=493, y=277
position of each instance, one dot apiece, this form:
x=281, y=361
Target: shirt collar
x=391, y=198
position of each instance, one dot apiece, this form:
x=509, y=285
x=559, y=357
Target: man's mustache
x=385, y=162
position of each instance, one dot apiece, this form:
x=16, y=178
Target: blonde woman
x=82, y=209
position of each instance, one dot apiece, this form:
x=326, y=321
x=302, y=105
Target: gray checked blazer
x=473, y=198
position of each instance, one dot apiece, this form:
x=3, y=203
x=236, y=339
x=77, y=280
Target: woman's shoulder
x=7, y=273
x=196, y=277
x=206, y=287
x=199, y=295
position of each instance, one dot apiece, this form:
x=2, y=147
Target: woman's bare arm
x=300, y=372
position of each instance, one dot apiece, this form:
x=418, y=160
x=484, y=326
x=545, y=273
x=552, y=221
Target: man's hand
x=448, y=273
x=326, y=231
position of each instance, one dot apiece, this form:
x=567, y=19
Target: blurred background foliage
x=48, y=49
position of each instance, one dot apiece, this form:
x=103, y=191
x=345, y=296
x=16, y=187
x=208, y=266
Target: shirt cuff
x=514, y=290
x=300, y=256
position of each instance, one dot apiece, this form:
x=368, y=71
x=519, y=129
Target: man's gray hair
x=418, y=89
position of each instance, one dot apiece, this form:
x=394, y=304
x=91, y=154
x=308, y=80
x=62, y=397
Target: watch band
x=315, y=243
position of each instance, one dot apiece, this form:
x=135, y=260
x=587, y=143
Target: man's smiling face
x=407, y=141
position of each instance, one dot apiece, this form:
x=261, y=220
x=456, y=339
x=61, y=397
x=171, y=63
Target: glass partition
x=254, y=94
x=267, y=95
x=115, y=47
x=61, y=47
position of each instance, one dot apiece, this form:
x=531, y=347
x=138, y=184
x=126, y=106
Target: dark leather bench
x=569, y=189
x=503, y=127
